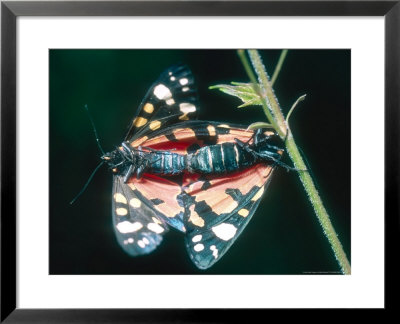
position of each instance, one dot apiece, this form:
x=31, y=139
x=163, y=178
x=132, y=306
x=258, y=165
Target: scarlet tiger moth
x=140, y=217
x=223, y=171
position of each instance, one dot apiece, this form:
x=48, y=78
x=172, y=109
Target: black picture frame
x=10, y=10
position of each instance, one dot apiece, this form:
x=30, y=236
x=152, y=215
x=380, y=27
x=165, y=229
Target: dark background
x=283, y=237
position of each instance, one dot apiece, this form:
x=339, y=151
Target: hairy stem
x=267, y=93
x=279, y=66
x=278, y=121
x=250, y=73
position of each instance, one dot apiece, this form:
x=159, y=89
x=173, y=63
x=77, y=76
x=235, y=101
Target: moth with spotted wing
x=222, y=169
x=139, y=215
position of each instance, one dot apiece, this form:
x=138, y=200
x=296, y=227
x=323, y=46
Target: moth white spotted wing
x=171, y=99
x=207, y=241
x=138, y=217
x=136, y=225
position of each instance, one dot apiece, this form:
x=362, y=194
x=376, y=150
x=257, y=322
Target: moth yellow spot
x=139, y=121
x=156, y=220
x=195, y=218
x=258, y=194
x=121, y=211
x=120, y=198
x=224, y=126
x=114, y=170
x=184, y=89
x=183, y=134
x=243, y=212
x=135, y=203
x=269, y=133
x=149, y=108
x=184, y=117
x=155, y=125
x=139, y=141
x=132, y=186
x=211, y=130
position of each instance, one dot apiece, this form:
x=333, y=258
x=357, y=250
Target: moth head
x=113, y=159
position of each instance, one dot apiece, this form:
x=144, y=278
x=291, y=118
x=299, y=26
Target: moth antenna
x=87, y=183
x=94, y=129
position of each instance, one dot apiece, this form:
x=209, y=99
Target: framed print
x=68, y=68
x=136, y=150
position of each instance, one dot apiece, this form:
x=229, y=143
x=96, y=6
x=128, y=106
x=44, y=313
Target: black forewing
x=171, y=99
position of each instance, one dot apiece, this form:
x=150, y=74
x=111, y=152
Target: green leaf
x=258, y=125
x=244, y=91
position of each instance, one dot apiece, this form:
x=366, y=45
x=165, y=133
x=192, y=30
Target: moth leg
x=128, y=150
x=244, y=145
x=128, y=174
x=143, y=163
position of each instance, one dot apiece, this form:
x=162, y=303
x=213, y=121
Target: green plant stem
x=285, y=133
x=247, y=67
x=317, y=204
x=301, y=98
x=279, y=66
x=267, y=93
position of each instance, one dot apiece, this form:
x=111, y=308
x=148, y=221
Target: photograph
x=199, y=161
x=219, y=151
